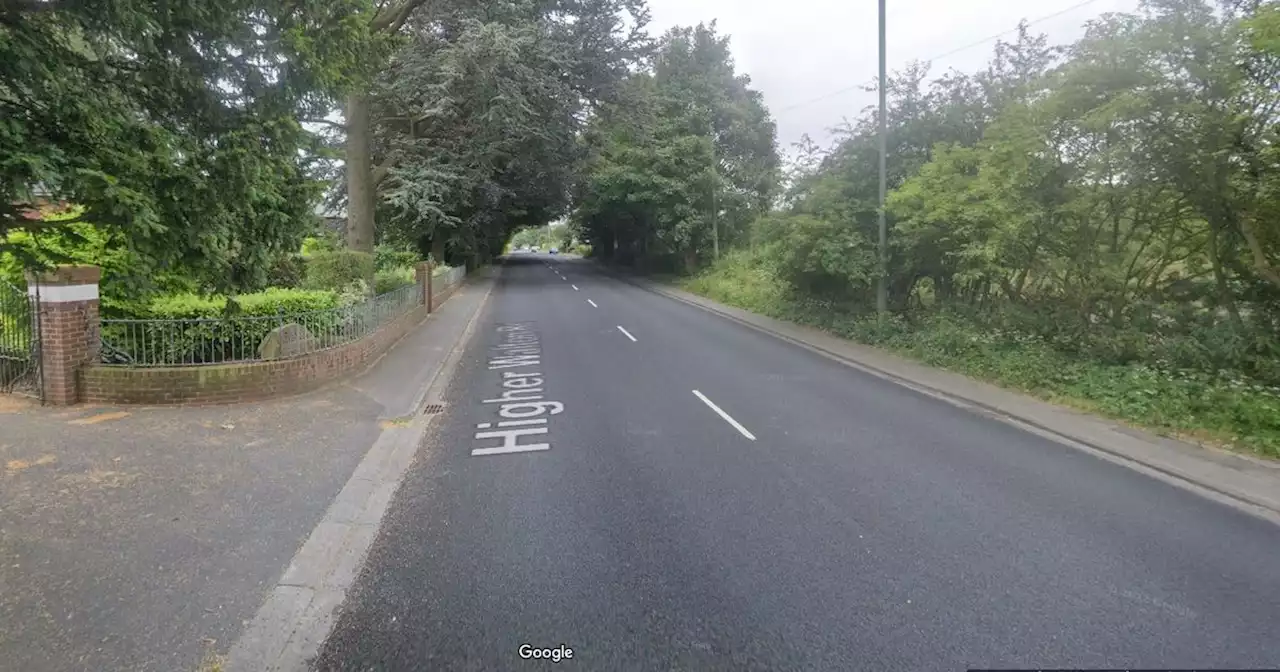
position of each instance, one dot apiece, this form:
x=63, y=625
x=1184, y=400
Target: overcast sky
x=799, y=50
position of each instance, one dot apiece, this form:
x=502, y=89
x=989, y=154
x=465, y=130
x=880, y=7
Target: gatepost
x=70, y=327
x=424, y=270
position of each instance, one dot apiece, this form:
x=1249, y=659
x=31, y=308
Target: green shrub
x=288, y=271
x=387, y=258
x=338, y=269
x=193, y=329
x=744, y=280
x=270, y=302
x=816, y=255
x=355, y=293
x=326, y=241
x=391, y=279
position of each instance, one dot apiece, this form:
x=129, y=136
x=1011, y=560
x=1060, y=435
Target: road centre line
x=575, y=287
x=727, y=418
x=593, y=303
x=626, y=333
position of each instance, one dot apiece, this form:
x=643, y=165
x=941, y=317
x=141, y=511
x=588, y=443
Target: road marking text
x=521, y=404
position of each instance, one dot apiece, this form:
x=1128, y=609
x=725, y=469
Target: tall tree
x=479, y=94
x=176, y=130
x=690, y=147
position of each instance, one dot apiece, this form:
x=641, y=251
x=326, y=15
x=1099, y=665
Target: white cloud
x=799, y=50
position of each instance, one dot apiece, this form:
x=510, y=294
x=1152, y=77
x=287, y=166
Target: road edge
x=298, y=614
x=1235, y=498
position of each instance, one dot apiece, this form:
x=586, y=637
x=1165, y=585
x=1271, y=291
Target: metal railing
x=445, y=278
x=204, y=341
x=19, y=341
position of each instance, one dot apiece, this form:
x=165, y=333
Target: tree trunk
x=437, y=249
x=690, y=261
x=1220, y=277
x=361, y=191
x=1260, y=262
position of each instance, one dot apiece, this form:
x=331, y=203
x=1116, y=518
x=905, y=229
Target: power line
x=957, y=50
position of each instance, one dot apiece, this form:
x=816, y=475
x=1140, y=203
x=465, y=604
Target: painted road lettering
x=522, y=408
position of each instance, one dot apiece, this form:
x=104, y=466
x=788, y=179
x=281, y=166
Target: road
x=707, y=497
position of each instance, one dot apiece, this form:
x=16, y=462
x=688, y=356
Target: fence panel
x=447, y=278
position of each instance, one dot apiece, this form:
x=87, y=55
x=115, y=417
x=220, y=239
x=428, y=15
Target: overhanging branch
x=380, y=173
x=392, y=17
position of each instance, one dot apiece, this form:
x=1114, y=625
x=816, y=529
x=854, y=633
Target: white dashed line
x=575, y=288
x=724, y=415
x=626, y=333
x=593, y=303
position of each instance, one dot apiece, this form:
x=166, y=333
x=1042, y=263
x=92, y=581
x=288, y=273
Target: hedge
x=338, y=269
x=192, y=329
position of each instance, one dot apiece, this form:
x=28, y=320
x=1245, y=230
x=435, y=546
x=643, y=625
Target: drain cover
x=432, y=409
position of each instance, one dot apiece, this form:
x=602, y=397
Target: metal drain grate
x=432, y=409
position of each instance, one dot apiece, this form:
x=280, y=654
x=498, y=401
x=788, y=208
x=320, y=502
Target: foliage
x=175, y=133
x=387, y=257
x=122, y=294
x=544, y=237
x=338, y=269
x=323, y=242
x=391, y=279
x=271, y=302
x=817, y=256
x=474, y=118
x=289, y=270
x=687, y=142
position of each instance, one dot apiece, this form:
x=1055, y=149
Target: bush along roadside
x=1222, y=407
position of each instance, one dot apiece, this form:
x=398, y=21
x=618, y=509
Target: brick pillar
x=69, y=327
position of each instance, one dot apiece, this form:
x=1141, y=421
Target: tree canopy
x=683, y=161
x=175, y=128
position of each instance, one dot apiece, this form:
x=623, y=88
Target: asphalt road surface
x=675, y=491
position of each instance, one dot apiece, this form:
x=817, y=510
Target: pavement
x=624, y=480
x=147, y=538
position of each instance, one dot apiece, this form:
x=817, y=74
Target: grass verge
x=1219, y=410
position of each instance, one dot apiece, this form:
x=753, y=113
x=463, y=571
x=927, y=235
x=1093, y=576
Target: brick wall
x=245, y=381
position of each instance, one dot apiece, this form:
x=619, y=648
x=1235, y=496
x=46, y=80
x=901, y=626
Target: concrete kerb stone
x=1248, y=500
x=292, y=624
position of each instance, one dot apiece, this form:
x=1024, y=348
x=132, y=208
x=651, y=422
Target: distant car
x=534, y=248
x=554, y=251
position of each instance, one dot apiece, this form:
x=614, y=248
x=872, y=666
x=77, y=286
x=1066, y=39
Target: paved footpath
x=623, y=481
x=145, y=538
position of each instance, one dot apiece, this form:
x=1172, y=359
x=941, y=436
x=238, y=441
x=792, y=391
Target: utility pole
x=715, y=177
x=882, y=290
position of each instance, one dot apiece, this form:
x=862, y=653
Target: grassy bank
x=1220, y=408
